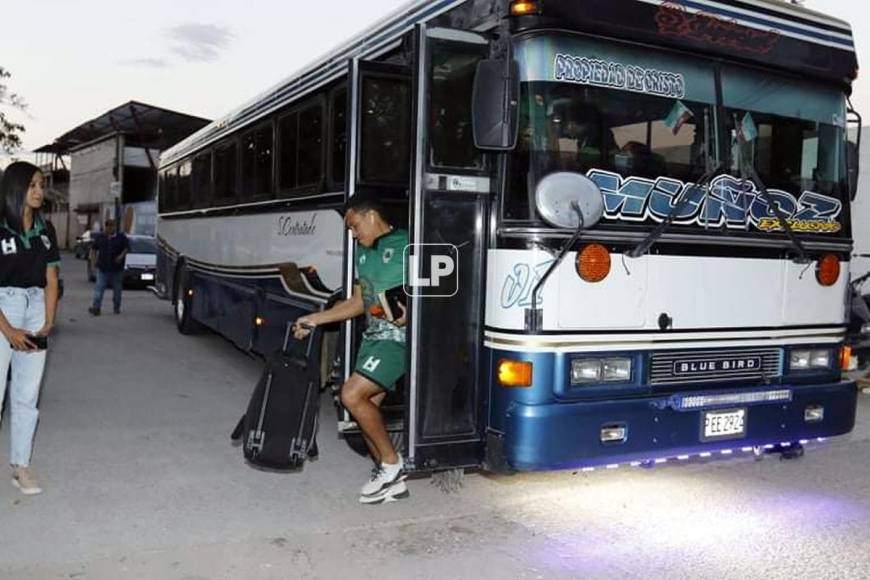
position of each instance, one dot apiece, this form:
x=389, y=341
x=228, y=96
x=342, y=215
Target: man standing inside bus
x=381, y=355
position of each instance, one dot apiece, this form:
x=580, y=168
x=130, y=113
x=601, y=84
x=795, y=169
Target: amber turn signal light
x=845, y=357
x=524, y=8
x=514, y=373
x=828, y=270
x=593, y=263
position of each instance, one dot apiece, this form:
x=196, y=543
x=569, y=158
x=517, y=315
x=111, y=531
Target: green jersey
x=378, y=269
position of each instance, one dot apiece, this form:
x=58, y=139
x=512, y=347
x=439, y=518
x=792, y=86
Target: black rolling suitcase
x=278, y=430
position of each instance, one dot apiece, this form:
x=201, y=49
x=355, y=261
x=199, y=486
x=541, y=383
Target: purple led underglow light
x=661, y=460
x=821, y=439
x=785, y=444
x=769, y=446
x=705, y=454
x=746, y=449
x=726, y=452
x=636, y=464
x=613, y=466
x=587, y=469
x=804, y=441
x=683, y=457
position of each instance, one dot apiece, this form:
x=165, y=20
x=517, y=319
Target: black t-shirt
x=24, y=257
x=108, y=249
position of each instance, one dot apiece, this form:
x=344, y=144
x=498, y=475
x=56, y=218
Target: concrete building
x=113, y=164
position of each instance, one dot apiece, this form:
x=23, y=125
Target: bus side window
x=453, y=69
x=338, y=138
x=257, y=163
x=385, y=131
x=225, y=160
x=202, y=180
x=300, y=149
x=288, y=167
x=311, y=145
x=183, y=187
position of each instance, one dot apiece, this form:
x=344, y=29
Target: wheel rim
x=179, y=306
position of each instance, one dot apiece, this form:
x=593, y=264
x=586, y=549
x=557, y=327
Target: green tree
x=10, y=138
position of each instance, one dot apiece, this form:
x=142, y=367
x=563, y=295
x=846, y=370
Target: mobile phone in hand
x=40, y=342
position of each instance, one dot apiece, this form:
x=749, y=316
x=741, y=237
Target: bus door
x=449, y=225
x=380, y=148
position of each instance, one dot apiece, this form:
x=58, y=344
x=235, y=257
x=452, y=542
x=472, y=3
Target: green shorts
x=381, y=361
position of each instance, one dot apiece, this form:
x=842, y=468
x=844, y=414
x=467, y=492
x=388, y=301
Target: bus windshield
x=646, y=126
x=584, y=129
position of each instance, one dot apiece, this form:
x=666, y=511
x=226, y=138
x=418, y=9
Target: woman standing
x=29, y=262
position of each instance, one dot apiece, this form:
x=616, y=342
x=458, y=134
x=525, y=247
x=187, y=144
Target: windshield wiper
x=747, y=169
x=657, y=232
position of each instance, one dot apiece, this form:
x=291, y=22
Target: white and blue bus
x=644, y=206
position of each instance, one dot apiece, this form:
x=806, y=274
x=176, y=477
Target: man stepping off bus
x=381, y=356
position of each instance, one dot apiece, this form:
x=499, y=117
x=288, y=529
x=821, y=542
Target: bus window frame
x=217, y=201
x=309, y=102
x=243, y=197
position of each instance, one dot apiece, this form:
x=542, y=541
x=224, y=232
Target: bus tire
x=183, y=316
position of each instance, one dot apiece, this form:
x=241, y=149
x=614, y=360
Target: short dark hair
x=13, y=192
x=364, y=201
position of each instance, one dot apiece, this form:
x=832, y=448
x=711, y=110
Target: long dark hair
x=13, y=192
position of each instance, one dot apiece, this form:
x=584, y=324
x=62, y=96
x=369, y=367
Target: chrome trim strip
x=701, y=335
x=418, y=190
x=537, y=234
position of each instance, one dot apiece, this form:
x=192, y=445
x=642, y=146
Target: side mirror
x=495, y=105
x=569, y=200
x=852, y=168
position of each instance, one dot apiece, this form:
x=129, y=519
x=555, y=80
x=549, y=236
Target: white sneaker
x=391, y=493
x=384, y=476
x=25, y=479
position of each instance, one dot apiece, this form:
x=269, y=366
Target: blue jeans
x=24, y=309
x=116, y=279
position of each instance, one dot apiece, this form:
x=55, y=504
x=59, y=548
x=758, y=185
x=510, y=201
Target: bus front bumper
x=565, y=435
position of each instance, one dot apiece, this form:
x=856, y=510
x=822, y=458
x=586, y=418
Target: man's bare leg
x=373, y=451
x=357, y=395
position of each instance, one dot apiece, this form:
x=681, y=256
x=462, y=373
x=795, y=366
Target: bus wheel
x=183, y=315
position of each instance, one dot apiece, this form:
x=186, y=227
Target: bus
x=629, y=223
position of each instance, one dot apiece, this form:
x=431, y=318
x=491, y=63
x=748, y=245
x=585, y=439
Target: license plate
x=725, y=424
x=147, y=276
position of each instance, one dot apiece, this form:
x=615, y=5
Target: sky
x=72, y=60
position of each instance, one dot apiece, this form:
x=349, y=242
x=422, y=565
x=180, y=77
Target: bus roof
x=800, y=28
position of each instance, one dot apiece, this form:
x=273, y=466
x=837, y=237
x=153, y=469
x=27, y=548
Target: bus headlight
x=806, y=359
x=600, y=370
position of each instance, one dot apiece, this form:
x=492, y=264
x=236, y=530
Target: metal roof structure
x=146, y=125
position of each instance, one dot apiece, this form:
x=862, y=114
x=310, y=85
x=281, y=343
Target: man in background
x=109, y=251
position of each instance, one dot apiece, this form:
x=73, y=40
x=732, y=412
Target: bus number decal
x=519, y=283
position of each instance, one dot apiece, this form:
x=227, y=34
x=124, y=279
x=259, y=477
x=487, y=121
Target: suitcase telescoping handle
x=311, y=337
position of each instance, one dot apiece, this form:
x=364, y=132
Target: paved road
x=141, y=482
